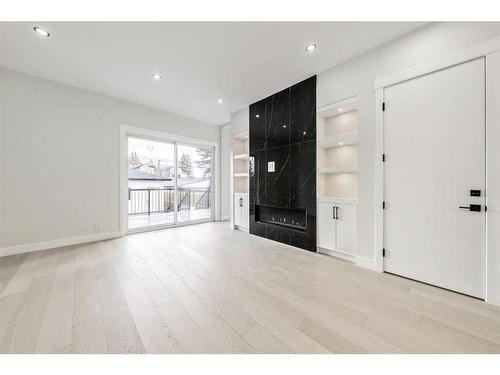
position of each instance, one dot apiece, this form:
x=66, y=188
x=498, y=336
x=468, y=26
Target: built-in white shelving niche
x=241, y=156
x=337, y=150
x=240, y=150
x=240, y=180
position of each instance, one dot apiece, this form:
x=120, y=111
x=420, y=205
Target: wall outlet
x=270, y=166
x=97, y=227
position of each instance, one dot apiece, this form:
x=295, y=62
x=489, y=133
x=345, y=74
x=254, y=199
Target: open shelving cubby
x=240, y=172
x=337, y=150
x=240, y=148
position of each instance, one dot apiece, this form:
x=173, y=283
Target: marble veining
x=283, y=130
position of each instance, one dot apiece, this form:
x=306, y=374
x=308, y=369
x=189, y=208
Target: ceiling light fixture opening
x=41, y=31
x=310, y=47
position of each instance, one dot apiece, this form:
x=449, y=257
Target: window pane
x=150, y=182
x=194, y=172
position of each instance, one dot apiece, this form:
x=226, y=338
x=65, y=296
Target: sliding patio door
x=194, y=183
x=168, y=183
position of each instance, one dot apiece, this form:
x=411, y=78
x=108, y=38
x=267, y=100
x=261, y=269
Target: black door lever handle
x=472, y=207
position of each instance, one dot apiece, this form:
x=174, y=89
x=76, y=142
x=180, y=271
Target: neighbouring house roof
x=135, y=174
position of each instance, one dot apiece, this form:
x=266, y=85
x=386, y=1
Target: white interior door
x=434, y=135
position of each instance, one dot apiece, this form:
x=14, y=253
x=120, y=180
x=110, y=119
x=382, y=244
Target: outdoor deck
x=167, y=218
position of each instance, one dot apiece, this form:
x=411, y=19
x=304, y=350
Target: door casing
x=473, y=69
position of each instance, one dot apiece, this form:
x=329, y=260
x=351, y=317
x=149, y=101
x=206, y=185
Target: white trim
x=370, y=264
x=471, y=53
x=238, y=227
x=481, y=50
x=337, y=254
x=167, y=226
x=340, y=200
x=360, y=261
x=128, y=130
x=144, y=132
x=45, y=245
x=379, y=180
x=225, y=218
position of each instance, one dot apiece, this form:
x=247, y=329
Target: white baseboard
x=338, y=254
x=371, y=264
x=225, y=218
x=45, y=245
x=241, y=228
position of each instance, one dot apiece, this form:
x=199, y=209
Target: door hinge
x=383, y=253
x=383, y=205
x=383, y=157
x=383, y=106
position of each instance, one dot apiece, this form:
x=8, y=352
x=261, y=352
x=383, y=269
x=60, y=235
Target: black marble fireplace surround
x=283, y=131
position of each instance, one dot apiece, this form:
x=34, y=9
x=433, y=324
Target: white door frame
x=128, y=130
x=472, y=53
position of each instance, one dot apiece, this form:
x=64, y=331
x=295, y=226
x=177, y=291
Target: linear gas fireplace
x=287, y=217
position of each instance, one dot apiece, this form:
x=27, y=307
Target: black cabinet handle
x=472, y=207
x=335, y=211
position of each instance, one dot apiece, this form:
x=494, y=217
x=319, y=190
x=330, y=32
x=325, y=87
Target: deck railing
x=151, y=200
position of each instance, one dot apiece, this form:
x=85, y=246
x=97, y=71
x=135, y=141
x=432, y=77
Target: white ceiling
x=200, y=62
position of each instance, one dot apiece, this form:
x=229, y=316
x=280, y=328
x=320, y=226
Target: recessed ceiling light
x=157, y=76
x=340, y=110
x=257, y=116
x=304, y=133
x=311, y=47
x=284, y=126
x=41, y=31
x=220, y=101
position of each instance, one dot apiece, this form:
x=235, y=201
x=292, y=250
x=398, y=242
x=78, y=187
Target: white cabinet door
x=326, y=226
x=237, y=210
x=346, y=234
x=244, y=212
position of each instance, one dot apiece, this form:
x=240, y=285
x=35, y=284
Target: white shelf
x=345, y=139
x=339, y=108
x=241, y=156
x=243, y=174
x=336, y=170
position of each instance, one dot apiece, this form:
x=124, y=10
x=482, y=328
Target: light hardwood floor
x=210, y=289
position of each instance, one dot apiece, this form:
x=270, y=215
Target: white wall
x=59, y=157
x=225, y=173
x=240, y=121
x=356, y=77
